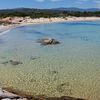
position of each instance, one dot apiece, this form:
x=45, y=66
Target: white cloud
x=97, y=2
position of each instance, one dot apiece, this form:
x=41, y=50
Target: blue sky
x=49, y=3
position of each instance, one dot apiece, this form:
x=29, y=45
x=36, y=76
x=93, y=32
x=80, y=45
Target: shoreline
x=28, y=21
x=11, y=94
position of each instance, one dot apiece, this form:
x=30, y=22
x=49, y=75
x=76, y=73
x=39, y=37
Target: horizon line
x=46, y=8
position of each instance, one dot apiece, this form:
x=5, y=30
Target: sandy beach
x=20, y=21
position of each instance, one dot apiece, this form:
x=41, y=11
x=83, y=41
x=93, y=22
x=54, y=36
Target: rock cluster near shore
x=5, y=95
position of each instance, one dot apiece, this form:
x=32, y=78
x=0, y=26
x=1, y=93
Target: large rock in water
x=48, y=41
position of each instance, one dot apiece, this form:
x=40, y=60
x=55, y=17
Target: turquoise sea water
x=70, y=68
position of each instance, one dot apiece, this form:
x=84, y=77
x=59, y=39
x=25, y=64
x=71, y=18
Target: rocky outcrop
x=5, y=95
x=48, y=41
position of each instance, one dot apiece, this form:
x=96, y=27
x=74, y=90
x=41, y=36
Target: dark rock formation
x=48, y=41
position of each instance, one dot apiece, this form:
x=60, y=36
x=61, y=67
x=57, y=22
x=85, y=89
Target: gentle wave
x=4, y=32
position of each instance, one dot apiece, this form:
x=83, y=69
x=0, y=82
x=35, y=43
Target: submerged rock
x=33, y=58
x=5, y=62
x=61, y=87
x=48, y=41
x=15, y=62
x=12, y=62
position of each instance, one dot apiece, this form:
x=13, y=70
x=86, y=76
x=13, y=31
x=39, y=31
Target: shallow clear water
x=70, y=68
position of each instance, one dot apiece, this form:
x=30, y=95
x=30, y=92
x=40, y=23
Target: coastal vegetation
x=46, y=13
